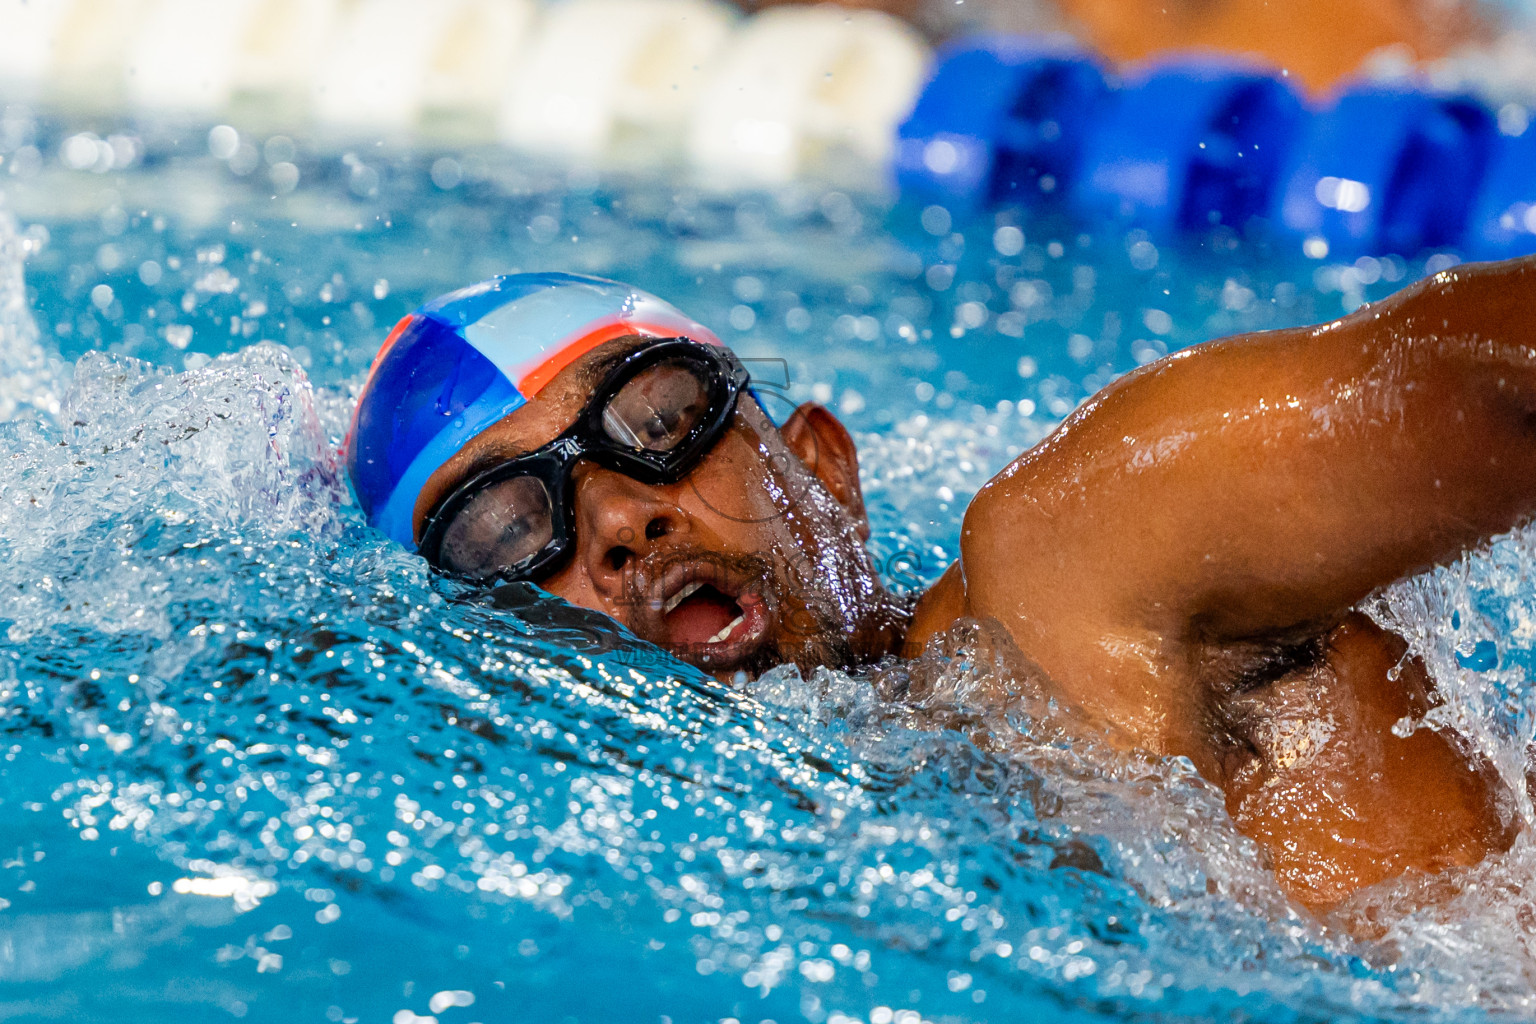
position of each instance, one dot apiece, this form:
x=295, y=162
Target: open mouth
x=705, y=623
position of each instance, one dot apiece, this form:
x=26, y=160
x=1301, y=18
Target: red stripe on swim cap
x=389, y=342
x=536, y=379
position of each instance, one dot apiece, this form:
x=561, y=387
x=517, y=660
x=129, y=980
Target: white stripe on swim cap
x=521, y=336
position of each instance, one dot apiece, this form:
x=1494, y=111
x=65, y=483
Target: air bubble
x=223, y=141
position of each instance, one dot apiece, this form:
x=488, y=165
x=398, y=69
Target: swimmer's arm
x=1257, y=485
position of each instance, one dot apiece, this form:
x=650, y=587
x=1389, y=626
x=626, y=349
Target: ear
x=821, y=442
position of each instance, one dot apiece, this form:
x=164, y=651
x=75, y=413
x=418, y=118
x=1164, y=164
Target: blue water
x=259, y=764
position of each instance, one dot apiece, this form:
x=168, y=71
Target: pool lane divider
x=1191, y=143
x=613, y=77
x=1187, y=146
x=999, y=121
x=1388, y=168
x=784, y=94
x=1180, y=145
x=798, y=88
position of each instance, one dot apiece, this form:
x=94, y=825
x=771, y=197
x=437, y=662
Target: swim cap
x=463, y=361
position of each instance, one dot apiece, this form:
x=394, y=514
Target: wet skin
x=1181, y=558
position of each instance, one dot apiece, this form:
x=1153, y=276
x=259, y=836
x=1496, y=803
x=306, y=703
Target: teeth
x=678, y=598
x=718, y=637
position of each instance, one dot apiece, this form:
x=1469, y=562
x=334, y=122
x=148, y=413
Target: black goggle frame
x=724, y=378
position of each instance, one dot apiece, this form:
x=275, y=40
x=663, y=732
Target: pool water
x=258, y=763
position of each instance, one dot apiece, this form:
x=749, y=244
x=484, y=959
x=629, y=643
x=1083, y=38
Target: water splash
x=147, y=463
x=29, y=380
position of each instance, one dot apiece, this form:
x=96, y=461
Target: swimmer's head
x=591, y=438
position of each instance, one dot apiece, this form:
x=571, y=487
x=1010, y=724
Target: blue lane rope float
x=1184, y=144
x=1194, y=142
x=1388, y=169
x=999, y=121
x=1190, y=145
x=1502, y=223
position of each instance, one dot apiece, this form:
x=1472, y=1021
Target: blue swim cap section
x=428, y=386
x=461, y=308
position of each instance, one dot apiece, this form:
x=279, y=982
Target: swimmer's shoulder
x=937, y=611
x=1006, y=531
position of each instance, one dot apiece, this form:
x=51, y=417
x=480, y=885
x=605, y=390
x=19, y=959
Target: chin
x=730, y=662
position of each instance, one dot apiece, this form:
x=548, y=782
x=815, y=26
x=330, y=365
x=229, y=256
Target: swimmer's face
x=755, y=558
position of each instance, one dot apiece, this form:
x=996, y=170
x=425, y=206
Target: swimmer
x=1182, y=558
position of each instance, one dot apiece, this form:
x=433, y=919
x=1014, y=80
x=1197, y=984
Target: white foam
x=233, y=448
x=29, y=378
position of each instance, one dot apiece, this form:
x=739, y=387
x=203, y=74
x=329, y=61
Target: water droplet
x=1478, y=657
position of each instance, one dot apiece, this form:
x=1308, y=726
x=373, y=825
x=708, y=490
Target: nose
x=618, y=521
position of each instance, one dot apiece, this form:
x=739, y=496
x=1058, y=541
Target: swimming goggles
x=653, y=417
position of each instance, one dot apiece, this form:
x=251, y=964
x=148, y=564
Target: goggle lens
x=503, y=525
x=659, y=407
